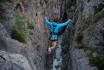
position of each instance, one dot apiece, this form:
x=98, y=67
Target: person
x=54, y=28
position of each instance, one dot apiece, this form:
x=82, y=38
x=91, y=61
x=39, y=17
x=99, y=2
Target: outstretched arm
x=65, y=23
x=47, y=21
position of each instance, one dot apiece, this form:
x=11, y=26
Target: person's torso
x=54, y=28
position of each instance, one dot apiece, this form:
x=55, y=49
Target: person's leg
x=54, y=44
x=50, y=44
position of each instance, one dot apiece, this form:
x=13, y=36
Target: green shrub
x=18, y=35
x=99, y=7
x=30, y=25
x=94, y=18
x=97, y=16
x=20, y=28
x=97, y=61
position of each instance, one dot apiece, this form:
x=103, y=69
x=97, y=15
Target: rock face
x=24, y=37
x=10, y=61
x=19, y=55
x=86, y=43
x=23, y=33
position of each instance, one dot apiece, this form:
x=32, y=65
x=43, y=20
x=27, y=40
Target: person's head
x=57, y=20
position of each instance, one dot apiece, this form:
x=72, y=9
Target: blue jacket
x=55, y=30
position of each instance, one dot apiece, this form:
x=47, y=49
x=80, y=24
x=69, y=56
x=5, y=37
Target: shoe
x=49, y=50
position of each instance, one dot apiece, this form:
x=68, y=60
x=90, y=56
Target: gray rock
x=35, y=49
x=10, y=61
x=93, y=35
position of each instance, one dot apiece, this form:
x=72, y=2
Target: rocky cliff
x=24, y=37
x=86, y=43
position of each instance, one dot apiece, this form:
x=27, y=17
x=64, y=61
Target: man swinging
x=55, y=27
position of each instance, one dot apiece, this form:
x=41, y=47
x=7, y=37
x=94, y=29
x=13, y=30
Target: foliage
x=97, y=16
x=99, y=7
x=90, y=21
x=94, y=18
x=97, y=61
x=30, y=25
x=20, y=28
